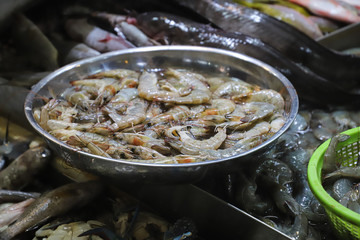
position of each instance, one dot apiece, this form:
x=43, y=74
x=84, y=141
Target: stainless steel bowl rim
x=28, y=108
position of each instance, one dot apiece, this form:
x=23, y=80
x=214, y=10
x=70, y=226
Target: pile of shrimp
x=165, y=116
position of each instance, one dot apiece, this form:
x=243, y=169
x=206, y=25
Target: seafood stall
x=184, y=119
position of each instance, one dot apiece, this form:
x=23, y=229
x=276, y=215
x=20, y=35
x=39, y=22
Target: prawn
x=78, y=97
x=329, y=163
x=173, y=160
x=135, y=114
x=277, y=121
x=174, y=139
x=231, y=88
x=146, y=153
x=211, y=143
x=118, y=73
x=120, y=100
x=248, y=113
x=219, y=106
x=148, y=88
x=259, y=129
x=59, y=124
x=145, y=141
x=175, y=113
x=265, y=95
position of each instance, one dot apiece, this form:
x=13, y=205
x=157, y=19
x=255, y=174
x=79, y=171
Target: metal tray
x=343, y=38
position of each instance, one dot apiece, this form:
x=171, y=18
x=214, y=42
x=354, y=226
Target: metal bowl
x=201, y=59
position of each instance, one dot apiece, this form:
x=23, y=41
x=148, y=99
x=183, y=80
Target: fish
x=95, y=37
x=177, y=30
x=9, y=8
x=120, y=25
x=354, y=3
x=53, y=203
x=325, y=25
x=292, y=43
x=13, y=210
x=333, y=9
x=288, y=15
x=16, y=196
x=32, y=42
x=20, y=172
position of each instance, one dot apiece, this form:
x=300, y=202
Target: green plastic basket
x=345, y=222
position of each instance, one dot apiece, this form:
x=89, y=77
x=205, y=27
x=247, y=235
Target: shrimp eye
x=175, y=133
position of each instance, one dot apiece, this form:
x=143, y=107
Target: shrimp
x=99, y=84
x=175, y=113
x=174, y=85
x=71, y=137
x=174, y=139
x=341, y=187
x=120, y=100
x=219, y=106
x=118, y=73
x=58, y=124
x=211, y=143
x=126, y=78
x=145, y=141
x=330, y=163
x=135, y=114
x=215, y=82
x=78, y=97
x=259, y=129
x=92, y=147
x=352, y=172
x=180, y=141
x=173, y=160
x=148, y=88
x=248, y=113
x=153, y=110
x=323, y=125
x=146, y=153
x=351, y=199
x=231, y=88
x=247, y=194
x=343, y=119
x=105, y=88
x=265, y=95
x=277, y=121
x=278, y=176
x=44, y=115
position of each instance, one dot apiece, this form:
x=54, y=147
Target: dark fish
x=177, y=30
x=16, y=196
x=20, y=172
x=295, y=45
x=51, y=204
